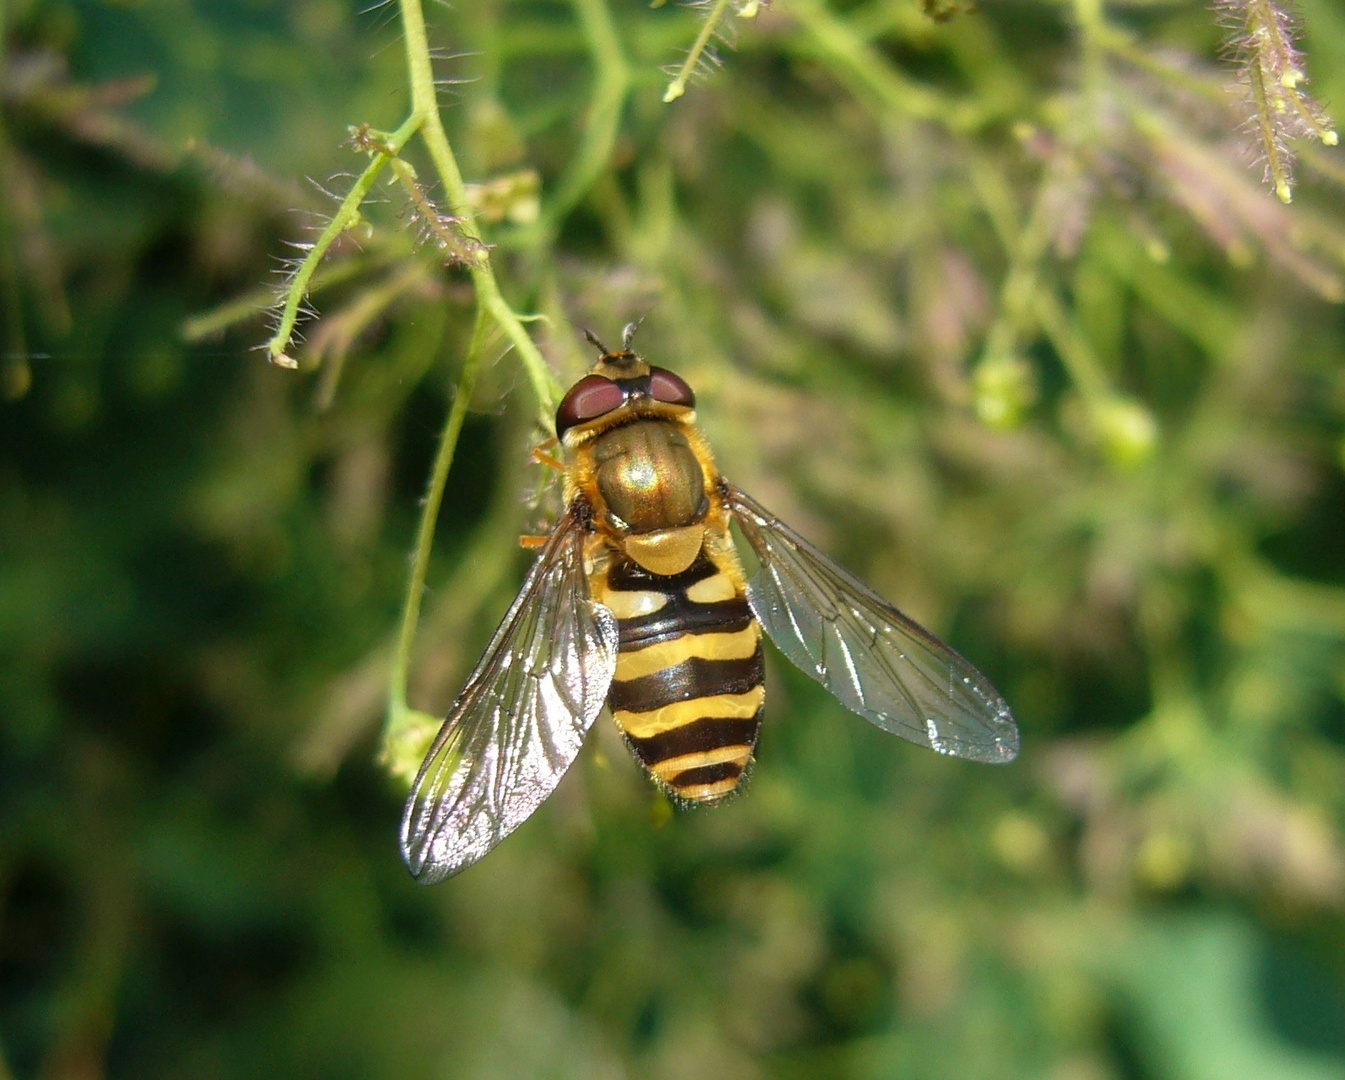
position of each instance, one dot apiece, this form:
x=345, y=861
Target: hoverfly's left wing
x=518, y=724
x=877, y=662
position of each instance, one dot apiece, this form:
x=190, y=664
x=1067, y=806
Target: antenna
x=628, y=332
x=593, y=339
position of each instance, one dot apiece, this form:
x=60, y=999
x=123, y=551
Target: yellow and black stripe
x=689, y=682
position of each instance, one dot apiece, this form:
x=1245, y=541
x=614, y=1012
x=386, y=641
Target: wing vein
x=519, y=722
x=877, y=662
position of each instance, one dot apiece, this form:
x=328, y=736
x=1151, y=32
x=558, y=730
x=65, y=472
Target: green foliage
x=987, y=299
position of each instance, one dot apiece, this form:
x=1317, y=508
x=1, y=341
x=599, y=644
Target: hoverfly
x=638, y=601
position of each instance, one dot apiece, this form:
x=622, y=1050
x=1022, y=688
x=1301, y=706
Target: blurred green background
x=991, y=307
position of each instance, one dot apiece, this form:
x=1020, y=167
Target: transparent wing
x=519, y=722
x=875, y=660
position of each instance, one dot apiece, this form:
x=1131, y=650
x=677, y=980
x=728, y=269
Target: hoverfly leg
x=541, y=457
x=528, y=542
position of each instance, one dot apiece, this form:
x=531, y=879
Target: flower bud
x=1126, y=429
x=1005, y=387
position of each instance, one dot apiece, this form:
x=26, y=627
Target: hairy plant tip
x=701, y=59
x=289, y=303
x=1272, y=75
x=364, y=139
x=298, y=274
x=433, y=227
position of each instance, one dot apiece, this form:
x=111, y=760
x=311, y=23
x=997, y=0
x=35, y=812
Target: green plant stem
x=873, y=78
x=425, y=120
x=197, y=328
x=1281, y=604
x=491, y=308
x=1119, y=43
x=1270, y=147
x=611, y=84
x=678, y=86
x=1026, y=249
x=347, y=214
x=429, y=515
x=1194, y=310
x=1088, y=14
x=1023, y=298
x=1070, y=344
x=425, y=106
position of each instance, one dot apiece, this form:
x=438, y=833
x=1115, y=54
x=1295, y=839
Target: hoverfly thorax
x=629, y=429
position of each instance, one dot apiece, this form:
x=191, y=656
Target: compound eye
x=667, y=387
x=591, y=397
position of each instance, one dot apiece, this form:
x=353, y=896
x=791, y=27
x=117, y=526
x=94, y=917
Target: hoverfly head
x=621, y=379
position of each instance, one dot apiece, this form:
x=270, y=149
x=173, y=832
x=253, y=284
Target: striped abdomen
x=689, y=682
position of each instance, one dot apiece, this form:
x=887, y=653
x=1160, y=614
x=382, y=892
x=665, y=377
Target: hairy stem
x=425, y=104
x=678, y=86
x=345, y=216
x=1270, y=143
x=491, y=308
x=197, y=328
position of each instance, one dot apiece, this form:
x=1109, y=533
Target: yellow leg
x=540, y=455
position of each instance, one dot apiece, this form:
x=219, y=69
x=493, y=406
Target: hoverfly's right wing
x=877, y=662
x=518, y=724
